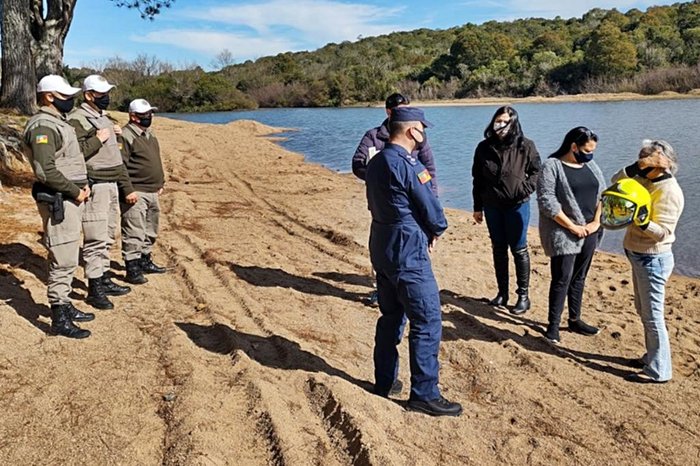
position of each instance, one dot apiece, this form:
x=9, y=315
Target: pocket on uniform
x=65, y=232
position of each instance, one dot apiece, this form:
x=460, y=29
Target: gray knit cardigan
x=554, y=195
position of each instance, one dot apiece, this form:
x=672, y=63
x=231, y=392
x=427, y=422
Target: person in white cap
x=141, y=154
x=60, y=190
x=97, y=135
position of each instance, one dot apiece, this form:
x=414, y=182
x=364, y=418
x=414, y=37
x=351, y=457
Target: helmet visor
x=617, y=212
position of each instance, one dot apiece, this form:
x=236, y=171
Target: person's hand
x=579, y=231
x=160, y=191
x=432, y=244
x=84, y=194
x=117, y=130
x=656, y=160
x=592, y=227
x=478, y=217
x=132, y=198
x=103, y=134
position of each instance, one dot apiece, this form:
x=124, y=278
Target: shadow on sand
x=272, y=351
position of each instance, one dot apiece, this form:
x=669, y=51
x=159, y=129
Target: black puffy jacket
x=504, y=174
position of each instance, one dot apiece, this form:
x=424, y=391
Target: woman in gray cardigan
x=568, y=196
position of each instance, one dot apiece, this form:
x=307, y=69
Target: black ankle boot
x=112, y=289
x=500, y=266
x=76, y=315
x=96, y=295
x=522, y=276
x=134, y=274
x=61, y=323
x=147, y=265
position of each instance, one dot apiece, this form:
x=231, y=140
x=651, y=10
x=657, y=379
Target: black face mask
x=63, y=106
x=102, y=102
x=146, y=121
x=583, y=157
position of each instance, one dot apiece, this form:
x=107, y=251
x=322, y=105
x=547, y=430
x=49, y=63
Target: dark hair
x=397, y=127
x=516, y=131
x=396, y=99
x=579, y=136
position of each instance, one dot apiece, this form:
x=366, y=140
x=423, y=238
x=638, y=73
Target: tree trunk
x=49, y=33
x=18, y=76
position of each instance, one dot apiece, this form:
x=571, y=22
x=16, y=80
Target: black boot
x=112, y=289
x=522, y=276
x=76, y=315
x=96, y=295
x=500, y=265
x=134, y=274
x=61, y=323
x=147, y=265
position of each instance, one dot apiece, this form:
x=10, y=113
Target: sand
x=256, y=347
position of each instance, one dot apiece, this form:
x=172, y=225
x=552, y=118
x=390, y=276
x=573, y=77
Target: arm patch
x=424, y=176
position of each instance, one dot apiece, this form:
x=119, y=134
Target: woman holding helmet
x=648, y=242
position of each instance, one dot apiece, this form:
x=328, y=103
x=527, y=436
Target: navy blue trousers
x=413, y=294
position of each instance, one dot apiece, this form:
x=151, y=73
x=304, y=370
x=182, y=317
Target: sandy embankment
x=256, y=349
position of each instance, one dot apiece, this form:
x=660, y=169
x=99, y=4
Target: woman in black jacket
x=505, y=170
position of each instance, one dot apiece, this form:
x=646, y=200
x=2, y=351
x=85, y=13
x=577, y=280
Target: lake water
x=330, y=136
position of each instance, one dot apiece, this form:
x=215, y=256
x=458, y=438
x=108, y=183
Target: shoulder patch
x=42, y=139
x=424, y=176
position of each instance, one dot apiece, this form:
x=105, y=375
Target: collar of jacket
x=91, y=111
x=51, y=111
x=383, y=131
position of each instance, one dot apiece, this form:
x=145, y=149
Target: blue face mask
x=583, y=157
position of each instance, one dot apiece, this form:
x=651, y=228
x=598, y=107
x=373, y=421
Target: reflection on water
x=330, y=136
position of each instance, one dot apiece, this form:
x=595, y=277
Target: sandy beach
x=256, y=347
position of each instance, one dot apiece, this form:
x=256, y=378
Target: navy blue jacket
x=406, y=214
x=374, y=141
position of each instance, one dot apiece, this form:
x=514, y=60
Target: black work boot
x=522, y=276
x=61, y=323
x=500, y=265
x=96, y=295
x=134, y=274
x=147, y=265
x=76, y=315
x=439, y=407
x=112, y=289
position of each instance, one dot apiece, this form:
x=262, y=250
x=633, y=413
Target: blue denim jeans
x=508, y=226
x=650, y=273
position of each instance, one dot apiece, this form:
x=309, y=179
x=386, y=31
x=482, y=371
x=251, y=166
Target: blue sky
x=196, y=31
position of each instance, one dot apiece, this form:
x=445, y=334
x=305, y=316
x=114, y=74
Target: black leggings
x=569, y=278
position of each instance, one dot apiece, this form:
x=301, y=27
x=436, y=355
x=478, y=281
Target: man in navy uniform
x=374, y=141
x=407, y=219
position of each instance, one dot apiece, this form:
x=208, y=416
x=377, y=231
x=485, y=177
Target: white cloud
x=316, y=22
x=212, y=42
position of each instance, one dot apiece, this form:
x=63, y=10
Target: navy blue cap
x=410, y=114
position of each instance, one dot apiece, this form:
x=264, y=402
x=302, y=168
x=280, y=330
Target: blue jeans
x=508, y=226
x=650, y=273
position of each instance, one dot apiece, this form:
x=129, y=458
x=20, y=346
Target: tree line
x=603, y=51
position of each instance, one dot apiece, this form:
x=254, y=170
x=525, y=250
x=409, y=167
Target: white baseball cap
x=56, y=83
x=140, y=106
x=95, y=82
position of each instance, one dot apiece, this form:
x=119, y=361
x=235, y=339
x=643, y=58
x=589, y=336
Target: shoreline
x=533, y=230
x=574, y=98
